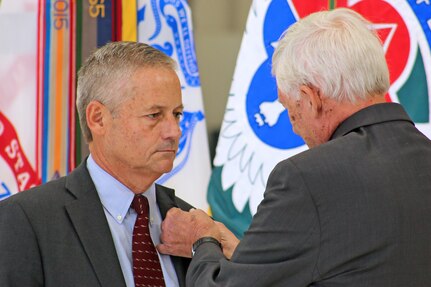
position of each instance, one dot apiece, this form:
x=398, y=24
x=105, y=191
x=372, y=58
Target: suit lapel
x=165, y=198
x=89, y=220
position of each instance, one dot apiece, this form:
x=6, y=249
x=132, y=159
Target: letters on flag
x=256, y=132
x=18, y=105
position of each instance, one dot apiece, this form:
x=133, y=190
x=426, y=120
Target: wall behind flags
x=218, y=26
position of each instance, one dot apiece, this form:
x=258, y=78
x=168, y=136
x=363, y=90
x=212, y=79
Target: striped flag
x=166, y=25
x=256, y=132
x=55, y=94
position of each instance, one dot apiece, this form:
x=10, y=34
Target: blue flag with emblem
x=256, y=133
x=166, y=25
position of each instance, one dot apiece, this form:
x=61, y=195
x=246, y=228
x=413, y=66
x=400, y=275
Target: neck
x=132, y=178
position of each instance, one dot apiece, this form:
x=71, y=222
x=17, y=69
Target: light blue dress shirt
x=116, y=200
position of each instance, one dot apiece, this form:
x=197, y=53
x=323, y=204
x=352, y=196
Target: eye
x=178, y=115
x=153, y=116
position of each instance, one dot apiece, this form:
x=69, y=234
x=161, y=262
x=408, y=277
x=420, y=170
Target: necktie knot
x=140, y=204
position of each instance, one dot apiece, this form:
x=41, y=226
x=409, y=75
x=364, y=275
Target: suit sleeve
x=20, y=261
x=281, y=246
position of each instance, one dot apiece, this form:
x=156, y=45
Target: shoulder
x=55, y=190
x=38, y=193
x=315, y=157
x=39, y=201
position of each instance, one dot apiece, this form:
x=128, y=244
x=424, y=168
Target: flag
x=167, y=26
x=55, y=94
x=18, y=50
x=256, y=133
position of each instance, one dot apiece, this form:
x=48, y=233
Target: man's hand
x=228, y=241
x=181, y=229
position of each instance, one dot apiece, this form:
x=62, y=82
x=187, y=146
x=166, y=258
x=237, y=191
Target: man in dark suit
x=78, y=230
x=353, y=210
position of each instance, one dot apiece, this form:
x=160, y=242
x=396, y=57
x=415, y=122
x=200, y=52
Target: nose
x=171, y=128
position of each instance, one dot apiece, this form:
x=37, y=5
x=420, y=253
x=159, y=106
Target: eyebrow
x=164, y=107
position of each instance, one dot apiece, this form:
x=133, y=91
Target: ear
x=312, y=98
x=96, y=114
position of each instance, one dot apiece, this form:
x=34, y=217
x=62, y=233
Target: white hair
x=105, y=74
x=335, y=51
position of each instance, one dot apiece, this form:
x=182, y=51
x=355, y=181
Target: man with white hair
x=354, y=209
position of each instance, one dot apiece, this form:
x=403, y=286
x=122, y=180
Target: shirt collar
x=116, y=198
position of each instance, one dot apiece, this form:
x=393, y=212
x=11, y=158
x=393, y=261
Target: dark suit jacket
x=355, y=211
x=57, y=235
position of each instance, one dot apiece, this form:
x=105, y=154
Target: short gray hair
x=105, y=74
x=335, y=51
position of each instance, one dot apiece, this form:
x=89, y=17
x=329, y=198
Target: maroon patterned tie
x=146, y=265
